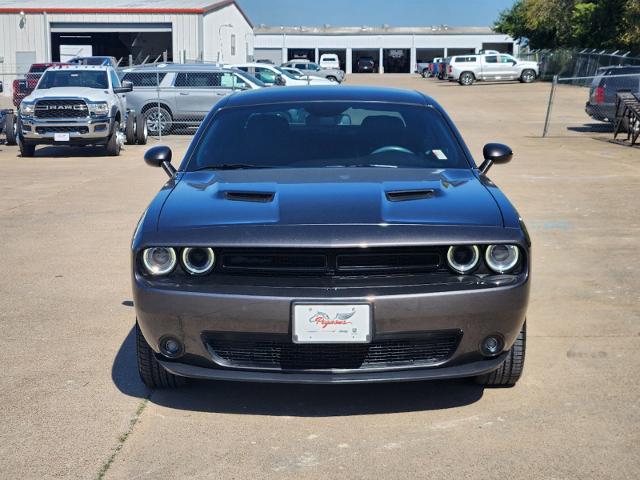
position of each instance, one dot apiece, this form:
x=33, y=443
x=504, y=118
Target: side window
x=491, y=59
x=115, y=81
x=300, y=66
x=506, y=59
x=198, y=79
x=232, y=81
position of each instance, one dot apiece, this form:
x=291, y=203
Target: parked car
x=95, y=60
x=366, y=65
x=184, y=95
x=272, y=75
x=466, y=69
x=423, y=68
x=22, y=87
x=311, y=68
x=329, y=61
x=78, y=105
x=608, y=81
x=443, y=67
x=265, y=60
x=361, y=245
x=8, y=126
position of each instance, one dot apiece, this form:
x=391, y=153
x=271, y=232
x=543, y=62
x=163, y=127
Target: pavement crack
x=123, y=438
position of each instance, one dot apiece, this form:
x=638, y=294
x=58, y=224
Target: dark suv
x=366, y=65
x=602, y=93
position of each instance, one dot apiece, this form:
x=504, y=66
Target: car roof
x=171, y=67
x=73, y=66
x=328, y=93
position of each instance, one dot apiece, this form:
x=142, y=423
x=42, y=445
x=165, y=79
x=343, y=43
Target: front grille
x=332, y=262
x=61, y=109
x=423, y=350
x=43, y=130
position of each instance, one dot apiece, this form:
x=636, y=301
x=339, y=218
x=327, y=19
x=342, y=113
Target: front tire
x=466, y=79
x=332, y=79
x=11, y=127
x=27, y=151
x=528, y=76
x=507, y=374
x=159, y=121
x=152, y=374
x=114, y=146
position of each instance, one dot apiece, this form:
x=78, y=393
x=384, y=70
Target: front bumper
x=85, y=131
x=192, y=315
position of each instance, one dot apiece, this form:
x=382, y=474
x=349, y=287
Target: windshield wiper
x=231, y=166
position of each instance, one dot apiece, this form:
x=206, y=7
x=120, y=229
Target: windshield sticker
x=439, y=154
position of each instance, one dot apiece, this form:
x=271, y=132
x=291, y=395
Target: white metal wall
x=218, y=39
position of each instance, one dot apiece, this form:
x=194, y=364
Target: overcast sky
x=374, y=12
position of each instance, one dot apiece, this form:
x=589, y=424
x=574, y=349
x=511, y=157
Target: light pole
x=220, y=39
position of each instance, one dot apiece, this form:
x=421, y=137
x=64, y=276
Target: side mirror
x=280, y=81
x=125, y=88
x=495, y=153
x=160, y=156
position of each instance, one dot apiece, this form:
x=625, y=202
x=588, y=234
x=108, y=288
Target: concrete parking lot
x=72, y=405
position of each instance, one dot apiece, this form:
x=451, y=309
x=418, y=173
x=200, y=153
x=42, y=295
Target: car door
x=507, y=67
x=490, y=67
x=196, y=93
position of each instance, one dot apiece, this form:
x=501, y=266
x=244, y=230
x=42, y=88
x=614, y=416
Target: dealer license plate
x=61, y=137
x=331, y=323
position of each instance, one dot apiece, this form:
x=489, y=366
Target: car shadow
x=279, y=399
x=592, y=128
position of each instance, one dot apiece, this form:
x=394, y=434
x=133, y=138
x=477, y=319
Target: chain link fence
x=577, y=64
x=587, y=105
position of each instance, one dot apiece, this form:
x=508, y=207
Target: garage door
x=272, y=54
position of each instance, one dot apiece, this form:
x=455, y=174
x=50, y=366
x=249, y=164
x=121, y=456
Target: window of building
x=233, y=44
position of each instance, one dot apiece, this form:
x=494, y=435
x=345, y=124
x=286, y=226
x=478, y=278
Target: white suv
x=466, y=69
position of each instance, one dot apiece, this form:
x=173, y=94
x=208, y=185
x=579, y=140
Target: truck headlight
x=27, y=109
x=502, y=258
x=99, y=109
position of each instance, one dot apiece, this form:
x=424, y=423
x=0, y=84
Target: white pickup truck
x=79, y=105
x=466, y=69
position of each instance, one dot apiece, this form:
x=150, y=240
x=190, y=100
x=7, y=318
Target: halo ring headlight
x=159, y=260
x=463, y=258
x=502, y=258
x=198, y=260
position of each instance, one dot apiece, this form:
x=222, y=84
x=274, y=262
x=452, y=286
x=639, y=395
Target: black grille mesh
x=61, y=109
x=281, y=355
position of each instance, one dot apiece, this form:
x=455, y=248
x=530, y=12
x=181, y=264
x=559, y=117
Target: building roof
x=369, y=30
x=113, y=6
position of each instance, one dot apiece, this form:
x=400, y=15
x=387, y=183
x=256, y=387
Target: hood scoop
x=258, y=197
x=407, y=195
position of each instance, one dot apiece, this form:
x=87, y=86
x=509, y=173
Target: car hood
x=91, y=94
x=329, y=196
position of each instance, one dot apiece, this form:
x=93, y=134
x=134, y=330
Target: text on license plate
x=331, y=323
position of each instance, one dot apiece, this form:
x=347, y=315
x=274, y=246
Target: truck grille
x=332, y=262
x=61, y=109
x=43, y=130
x=421, y=350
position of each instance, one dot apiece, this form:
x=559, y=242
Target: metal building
x=52, y=30
x=393, y=49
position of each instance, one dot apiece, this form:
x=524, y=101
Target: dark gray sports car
x=330, y=235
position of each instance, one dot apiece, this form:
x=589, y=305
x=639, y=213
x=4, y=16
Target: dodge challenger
x=330, y=235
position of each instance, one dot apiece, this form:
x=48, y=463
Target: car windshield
x=285, y=73
x=74, y=78
x=327, y=134
x=249, y=77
